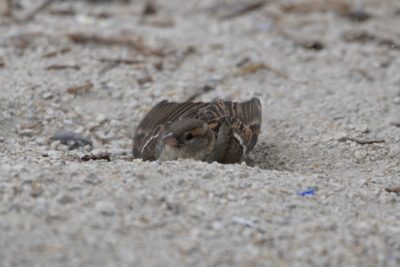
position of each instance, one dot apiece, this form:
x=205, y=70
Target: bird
x=221, y=131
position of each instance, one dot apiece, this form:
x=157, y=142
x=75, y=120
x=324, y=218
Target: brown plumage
x=221, y=131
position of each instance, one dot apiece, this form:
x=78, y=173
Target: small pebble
x=243, y=221
x=101, y=118
x=36, y=189
x=208, y=175
x=65, y=199
x=394, y=150
x=360, y=154
x=47, y=96
x=54, y=144
x=62, y=147
x=217, y=225
x=92, y=179
x=41, y=141
x=106, y=208
x=27, y=132
x=362, y=128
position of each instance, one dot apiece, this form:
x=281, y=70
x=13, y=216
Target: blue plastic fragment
x=307, y=192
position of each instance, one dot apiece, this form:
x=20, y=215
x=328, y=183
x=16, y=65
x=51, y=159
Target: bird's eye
x=189, y=136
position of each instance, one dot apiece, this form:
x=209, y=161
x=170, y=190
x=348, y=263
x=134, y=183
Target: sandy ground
x=331, y=124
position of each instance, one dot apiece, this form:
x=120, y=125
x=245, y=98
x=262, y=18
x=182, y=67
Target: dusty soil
x=327, y=74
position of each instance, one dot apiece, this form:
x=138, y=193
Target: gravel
x=312, y=193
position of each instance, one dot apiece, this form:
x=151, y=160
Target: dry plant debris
x=62, y=11
x=358, y=36
x=361, y=141
x=122, y=61
x=57, y=52
x=128, y=41
x=255, y=67
x=357, y=15
x=226, y=11
x=75, y=90
x=62, y=67
x=98, y=156
x=204, y=89
x=393, y=189
x=145, y=80
x=159, y=21
x=314, y=6
x=367, y=37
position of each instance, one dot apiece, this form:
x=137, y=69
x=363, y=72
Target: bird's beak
x=170, y=140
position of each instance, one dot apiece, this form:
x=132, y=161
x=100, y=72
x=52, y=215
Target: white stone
x=106, y=208
x=360, y=154
x=101, y=118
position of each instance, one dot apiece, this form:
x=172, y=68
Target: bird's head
x=188, y=138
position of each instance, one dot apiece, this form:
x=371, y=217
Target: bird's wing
x=163, y=113
x=244, y=118
x=252, y=118
x=249, y=112
x=247, y=120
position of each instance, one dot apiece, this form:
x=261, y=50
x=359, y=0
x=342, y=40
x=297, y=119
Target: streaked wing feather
x=251, y=110
x=252, y=117
x=248, y=112
x=168, y=111
x=161, y=114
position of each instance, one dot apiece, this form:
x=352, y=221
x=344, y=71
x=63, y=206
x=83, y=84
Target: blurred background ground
x=326, y=72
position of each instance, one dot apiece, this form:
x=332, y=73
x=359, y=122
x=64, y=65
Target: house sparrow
x=221, y=131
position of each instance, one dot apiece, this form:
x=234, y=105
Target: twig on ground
x=131, y=42
x=254, y=67
x=206, y=88
x=80, y=89
x=122, y=61
x=61, y=67
x=361, y=141
x=316, y=6
x=56, y=52
x=393, y=189
x=62, y=12
x=239, y=9
x=366, y=37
